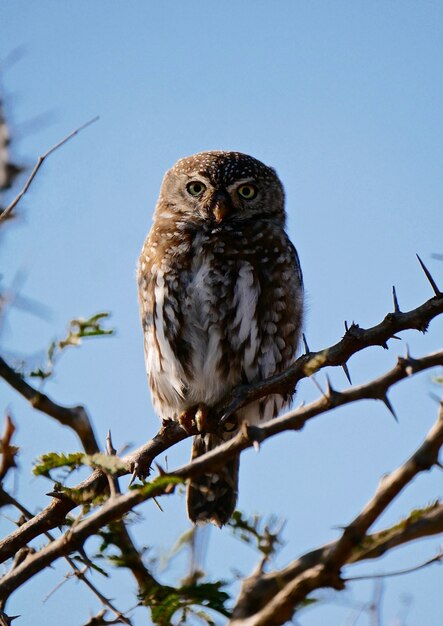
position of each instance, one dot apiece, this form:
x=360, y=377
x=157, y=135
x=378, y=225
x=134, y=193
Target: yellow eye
x=196, y=188
x=247, y=191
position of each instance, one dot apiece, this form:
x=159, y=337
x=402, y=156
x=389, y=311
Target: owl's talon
x=194, y=420
x=140, y=469
x=228, y=424
x=186, y=419
x=201, y=416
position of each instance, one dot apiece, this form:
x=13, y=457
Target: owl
x=221, y=300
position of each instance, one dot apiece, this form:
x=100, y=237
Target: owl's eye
x=195, y=188
x=247, y=191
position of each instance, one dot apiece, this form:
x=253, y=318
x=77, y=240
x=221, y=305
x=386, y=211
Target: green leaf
x=79, y=328
x=165, y=601
x=52, y=460
x=152, y=486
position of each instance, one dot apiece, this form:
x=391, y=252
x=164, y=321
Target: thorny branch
x=355, y=339
x=117, y=506
x=322, y=567
x=6, y=498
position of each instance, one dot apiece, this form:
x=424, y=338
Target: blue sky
x=345, y=100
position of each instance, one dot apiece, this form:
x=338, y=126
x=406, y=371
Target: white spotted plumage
x=221, y=300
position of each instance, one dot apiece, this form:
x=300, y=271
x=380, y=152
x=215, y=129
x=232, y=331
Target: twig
x=374, y=607
x=8, y=451
x=258, y=590
x=5, y=214
x=401, y=572
x=75, y=417
x=80, y=574
x=99, y=620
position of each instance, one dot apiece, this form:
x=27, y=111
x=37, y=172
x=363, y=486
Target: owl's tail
x=212, y=497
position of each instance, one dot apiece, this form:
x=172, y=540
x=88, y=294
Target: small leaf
x=52, y=460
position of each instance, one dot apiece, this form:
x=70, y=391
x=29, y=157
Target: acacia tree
x=97, y=507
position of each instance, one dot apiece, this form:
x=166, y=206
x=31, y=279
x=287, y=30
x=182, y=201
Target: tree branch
x=322, y=567
x=7, y=212
x=75, y=417
x=354, y=340
x=259, y=588
x=327, y=573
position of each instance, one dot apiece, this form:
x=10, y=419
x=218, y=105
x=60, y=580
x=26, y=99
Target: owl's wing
x=161, y=306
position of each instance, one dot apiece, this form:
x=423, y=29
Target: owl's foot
x=194, y=419
x=201, y=418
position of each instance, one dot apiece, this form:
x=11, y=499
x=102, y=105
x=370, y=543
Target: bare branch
x=401, y=572
x=75, y=417
x=259, y=588
x=6, y=213
x=322, y=567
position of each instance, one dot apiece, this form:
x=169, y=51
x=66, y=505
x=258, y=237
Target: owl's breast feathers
x=220, y=306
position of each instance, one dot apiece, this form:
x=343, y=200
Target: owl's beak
x=221, y=207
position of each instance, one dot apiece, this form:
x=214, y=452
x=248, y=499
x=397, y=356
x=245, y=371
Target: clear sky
x=345, y=100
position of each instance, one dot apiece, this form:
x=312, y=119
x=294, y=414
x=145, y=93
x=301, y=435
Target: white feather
x=164, y=367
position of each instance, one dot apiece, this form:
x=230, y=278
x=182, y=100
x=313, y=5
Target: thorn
x=406, y=363
x=157, y=503
x=318, y=387
x=110, y=450
x=60, y=495
x=7, y=619
x=438, y=464
x=395, y=337
x=161, y=471
x=389, y=406
x=346, y=326
x=394, y=296
x=329, y=388
x=134, y=475
x=305, y=343
x=437, y=291
x=346, y=371
x=254, y=435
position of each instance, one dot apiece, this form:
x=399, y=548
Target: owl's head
x=221, y=187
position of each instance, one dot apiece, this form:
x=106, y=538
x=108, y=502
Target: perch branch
x=354, y=340
x=116, y=507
